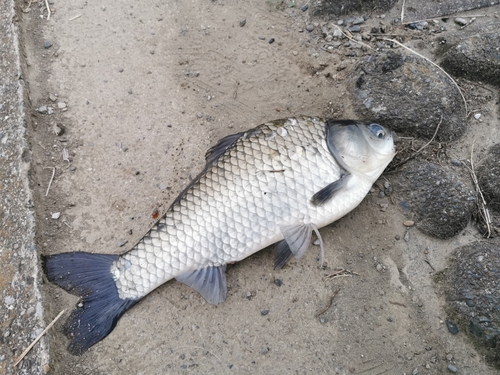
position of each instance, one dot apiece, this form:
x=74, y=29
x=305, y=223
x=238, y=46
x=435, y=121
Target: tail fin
x=88, y=276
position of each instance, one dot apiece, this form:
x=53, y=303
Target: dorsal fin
x=221, y=146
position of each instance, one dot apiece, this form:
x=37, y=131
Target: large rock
x=439, y=203
x=472, y=287
x=343, y=7
x=476, y=56
x=408, y=94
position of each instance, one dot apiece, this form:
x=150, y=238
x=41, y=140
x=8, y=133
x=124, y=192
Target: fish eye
x=377, y=130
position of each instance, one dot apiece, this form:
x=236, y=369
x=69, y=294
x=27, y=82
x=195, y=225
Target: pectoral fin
x=330, y=190
x=210, y=282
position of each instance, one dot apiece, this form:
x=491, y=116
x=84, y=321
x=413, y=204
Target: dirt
x=144, y=90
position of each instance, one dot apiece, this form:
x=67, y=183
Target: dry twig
x=20, y=358
x=483, y=209
x=403, y=11
x=420, y=149
x=48, y=9
x=329, y=305
x=436, y=65
x=75, y=17
x=353, y=40
x=340, y=273
x=27, y=9
x=51, y=179
x=438, y=18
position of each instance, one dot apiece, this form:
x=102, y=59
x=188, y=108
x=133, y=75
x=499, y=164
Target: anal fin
x=296, y=242
x=210, y=282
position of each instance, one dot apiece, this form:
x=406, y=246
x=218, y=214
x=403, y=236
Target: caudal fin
x=88, y=276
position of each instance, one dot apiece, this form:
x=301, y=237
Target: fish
x=273, y=184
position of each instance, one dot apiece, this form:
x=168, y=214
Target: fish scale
x=276, y=183
x=235, y=208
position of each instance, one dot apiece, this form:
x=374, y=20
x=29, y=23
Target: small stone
x=249, y=295
x=53, y=97
x=304, y=8
x=56, y=215
x=358, y=21
x=354, y=29
x=340, y=22
x=415, y=372
x=295, y=53
x=310, y=27
x=456, y=162
x=452, y=368
x=278, y=282
x=379, y=267
x=47, y=44
x=42, y=109
x=460, y=21
x=452, y=328
x=408, y=223
x=264, y=350
x=389, y=319
x=397, y=237
x=61, y=105
x=264, y=312
x=477, y=116
x=243, y=21
x=271, y=41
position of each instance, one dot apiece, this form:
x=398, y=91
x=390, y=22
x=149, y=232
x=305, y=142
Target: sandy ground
x=141, y=92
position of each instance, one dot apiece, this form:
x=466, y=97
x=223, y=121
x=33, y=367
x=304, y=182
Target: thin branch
x=403, y=11
x=420, y=149
x=48, y=9
x=51, y=179
x=436, y=65
x=438, y=18
x=353, y=40
x=20, y=358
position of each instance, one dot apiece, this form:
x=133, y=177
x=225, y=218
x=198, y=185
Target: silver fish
x=276, y=183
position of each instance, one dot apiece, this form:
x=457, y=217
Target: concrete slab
x=21, y=311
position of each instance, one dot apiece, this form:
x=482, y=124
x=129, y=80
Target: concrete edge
x=21, y=308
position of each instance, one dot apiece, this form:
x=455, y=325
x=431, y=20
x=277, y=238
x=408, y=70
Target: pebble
x=477, y=116
x=408, y=223
x=42, y=109
x=264, y=350
x=461, y=21
x=61, y=105
x=354, y=29
x=456, y=162
x=47, y=44
x=358, y=21
x=415, y=372
x=243, y=21
x=56, y=215
x=340, y=22
x=310, y=27
x=278, y=282
x=452, y=368
x=452, y=327
x=264, y=312
x=304, y=8
x=271, y=41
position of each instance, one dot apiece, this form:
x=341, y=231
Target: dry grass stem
x=329, y=305
x=341, y=273
x=403, y=11
x=483, y=209
x=353, y=40
x=48, y=9
x=420, y=149
x=20, y=358
x=436, y=65
x=51, y=179
x=438, y=18
x=75, y=17
x=27, y=9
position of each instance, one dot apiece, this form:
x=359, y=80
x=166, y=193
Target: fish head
x=361, y=148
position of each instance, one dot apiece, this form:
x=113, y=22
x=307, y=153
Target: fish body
x=275, y=183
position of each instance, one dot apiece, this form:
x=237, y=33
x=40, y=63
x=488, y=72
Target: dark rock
x=354, y=29
x=434, y=198
x=278, y=282
x=343, y=7
x=304, y=8
x=407, y=94
x=452, y=327
x=475, y=57
x=474, y=272
x=47, y=44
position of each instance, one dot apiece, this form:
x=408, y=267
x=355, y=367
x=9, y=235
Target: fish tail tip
x=88, y=276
